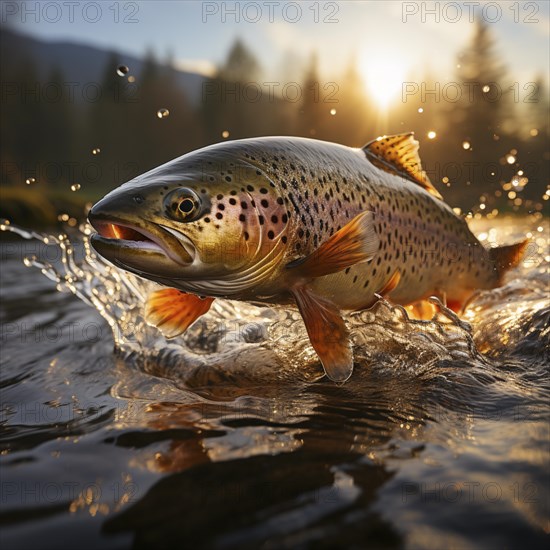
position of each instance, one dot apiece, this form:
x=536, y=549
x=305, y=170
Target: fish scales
x=284, y=220
x=326, y=188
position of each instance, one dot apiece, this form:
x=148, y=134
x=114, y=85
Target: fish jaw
x=139, y=246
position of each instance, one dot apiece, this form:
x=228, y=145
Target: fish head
x=189, y=221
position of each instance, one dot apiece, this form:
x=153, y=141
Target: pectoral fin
x=356, y=242
x=173, y=311
x=327, y=332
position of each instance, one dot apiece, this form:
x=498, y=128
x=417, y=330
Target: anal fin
x=422, y=310
x=327, y=332
x=173, y=311
x=391, y=284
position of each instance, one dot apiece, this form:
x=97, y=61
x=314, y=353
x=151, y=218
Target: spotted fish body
x=284, y=220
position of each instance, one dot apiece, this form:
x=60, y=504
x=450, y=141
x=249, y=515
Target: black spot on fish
x=219, y=215
x=270, y=234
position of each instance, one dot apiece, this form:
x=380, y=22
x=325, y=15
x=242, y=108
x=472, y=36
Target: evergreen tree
x=312, y=108
x=479, y=129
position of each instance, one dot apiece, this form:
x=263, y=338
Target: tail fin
x=507, y=257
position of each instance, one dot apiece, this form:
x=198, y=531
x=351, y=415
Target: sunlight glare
x=383, y=76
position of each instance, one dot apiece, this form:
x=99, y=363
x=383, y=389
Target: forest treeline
x=484, y=136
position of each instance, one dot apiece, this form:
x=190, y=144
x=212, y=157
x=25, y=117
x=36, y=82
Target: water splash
x=236, y=342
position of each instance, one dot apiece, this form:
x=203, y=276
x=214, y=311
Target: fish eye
x=183, y=205
x=186, y=206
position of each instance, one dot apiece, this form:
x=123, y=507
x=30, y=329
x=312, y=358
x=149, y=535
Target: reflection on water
x=229, y=436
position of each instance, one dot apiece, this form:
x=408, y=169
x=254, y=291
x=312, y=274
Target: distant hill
x=78, y=62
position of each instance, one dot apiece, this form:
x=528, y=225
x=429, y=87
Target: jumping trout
x=282, y=220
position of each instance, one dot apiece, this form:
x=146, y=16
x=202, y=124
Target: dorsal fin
x=399, y=155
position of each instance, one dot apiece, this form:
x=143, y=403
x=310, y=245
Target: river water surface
x=229, y=437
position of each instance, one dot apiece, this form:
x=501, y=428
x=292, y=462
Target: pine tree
x=312, y=115
x=479, y=131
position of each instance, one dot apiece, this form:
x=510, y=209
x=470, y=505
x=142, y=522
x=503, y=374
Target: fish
x=289, y=221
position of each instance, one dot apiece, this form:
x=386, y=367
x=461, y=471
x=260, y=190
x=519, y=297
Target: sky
x=392, y=40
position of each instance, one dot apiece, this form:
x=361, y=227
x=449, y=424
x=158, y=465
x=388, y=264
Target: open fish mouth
x=123, y=240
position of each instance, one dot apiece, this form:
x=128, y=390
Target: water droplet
x=163, y=113
x=30, y=181
x=75, y=186
x=431, y=134
x=63, y=217
x=420, y=110
x=333, y=112
x=225, y=134
x=510, y=159
x=29, y=260
x=534, y=132
x=122, y=70
x=131, y=79
x=486, y=89
x=466, y=145
x=96, y=151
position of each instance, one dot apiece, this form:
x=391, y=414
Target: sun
x=383, y=76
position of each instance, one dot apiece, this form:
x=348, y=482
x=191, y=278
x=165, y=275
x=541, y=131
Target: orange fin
x=456, y=305
x=399, y=155
x=507, y=257
x=356, y=242
x=391, y=284
x=173, y=311
x=327, y=332
x=422, y=309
